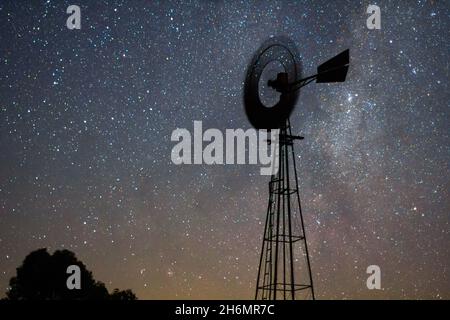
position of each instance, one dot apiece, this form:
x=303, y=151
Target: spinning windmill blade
x=283, y=52
x=287, y=82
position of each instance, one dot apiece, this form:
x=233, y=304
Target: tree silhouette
x=43, y=276
x=123, y=295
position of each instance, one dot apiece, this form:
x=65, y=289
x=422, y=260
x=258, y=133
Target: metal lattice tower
x=284, y=268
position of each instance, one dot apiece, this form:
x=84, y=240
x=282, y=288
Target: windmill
x=271, y=90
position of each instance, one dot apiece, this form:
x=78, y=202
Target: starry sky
x=86, y=118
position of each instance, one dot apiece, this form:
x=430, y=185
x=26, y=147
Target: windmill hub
x=280, y=84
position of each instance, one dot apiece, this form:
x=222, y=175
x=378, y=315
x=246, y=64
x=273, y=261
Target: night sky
x=86, y=118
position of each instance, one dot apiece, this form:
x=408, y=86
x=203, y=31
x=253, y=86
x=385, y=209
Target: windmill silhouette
x=268, y=105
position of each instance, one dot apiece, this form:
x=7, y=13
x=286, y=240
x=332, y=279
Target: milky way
x=85, y=123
